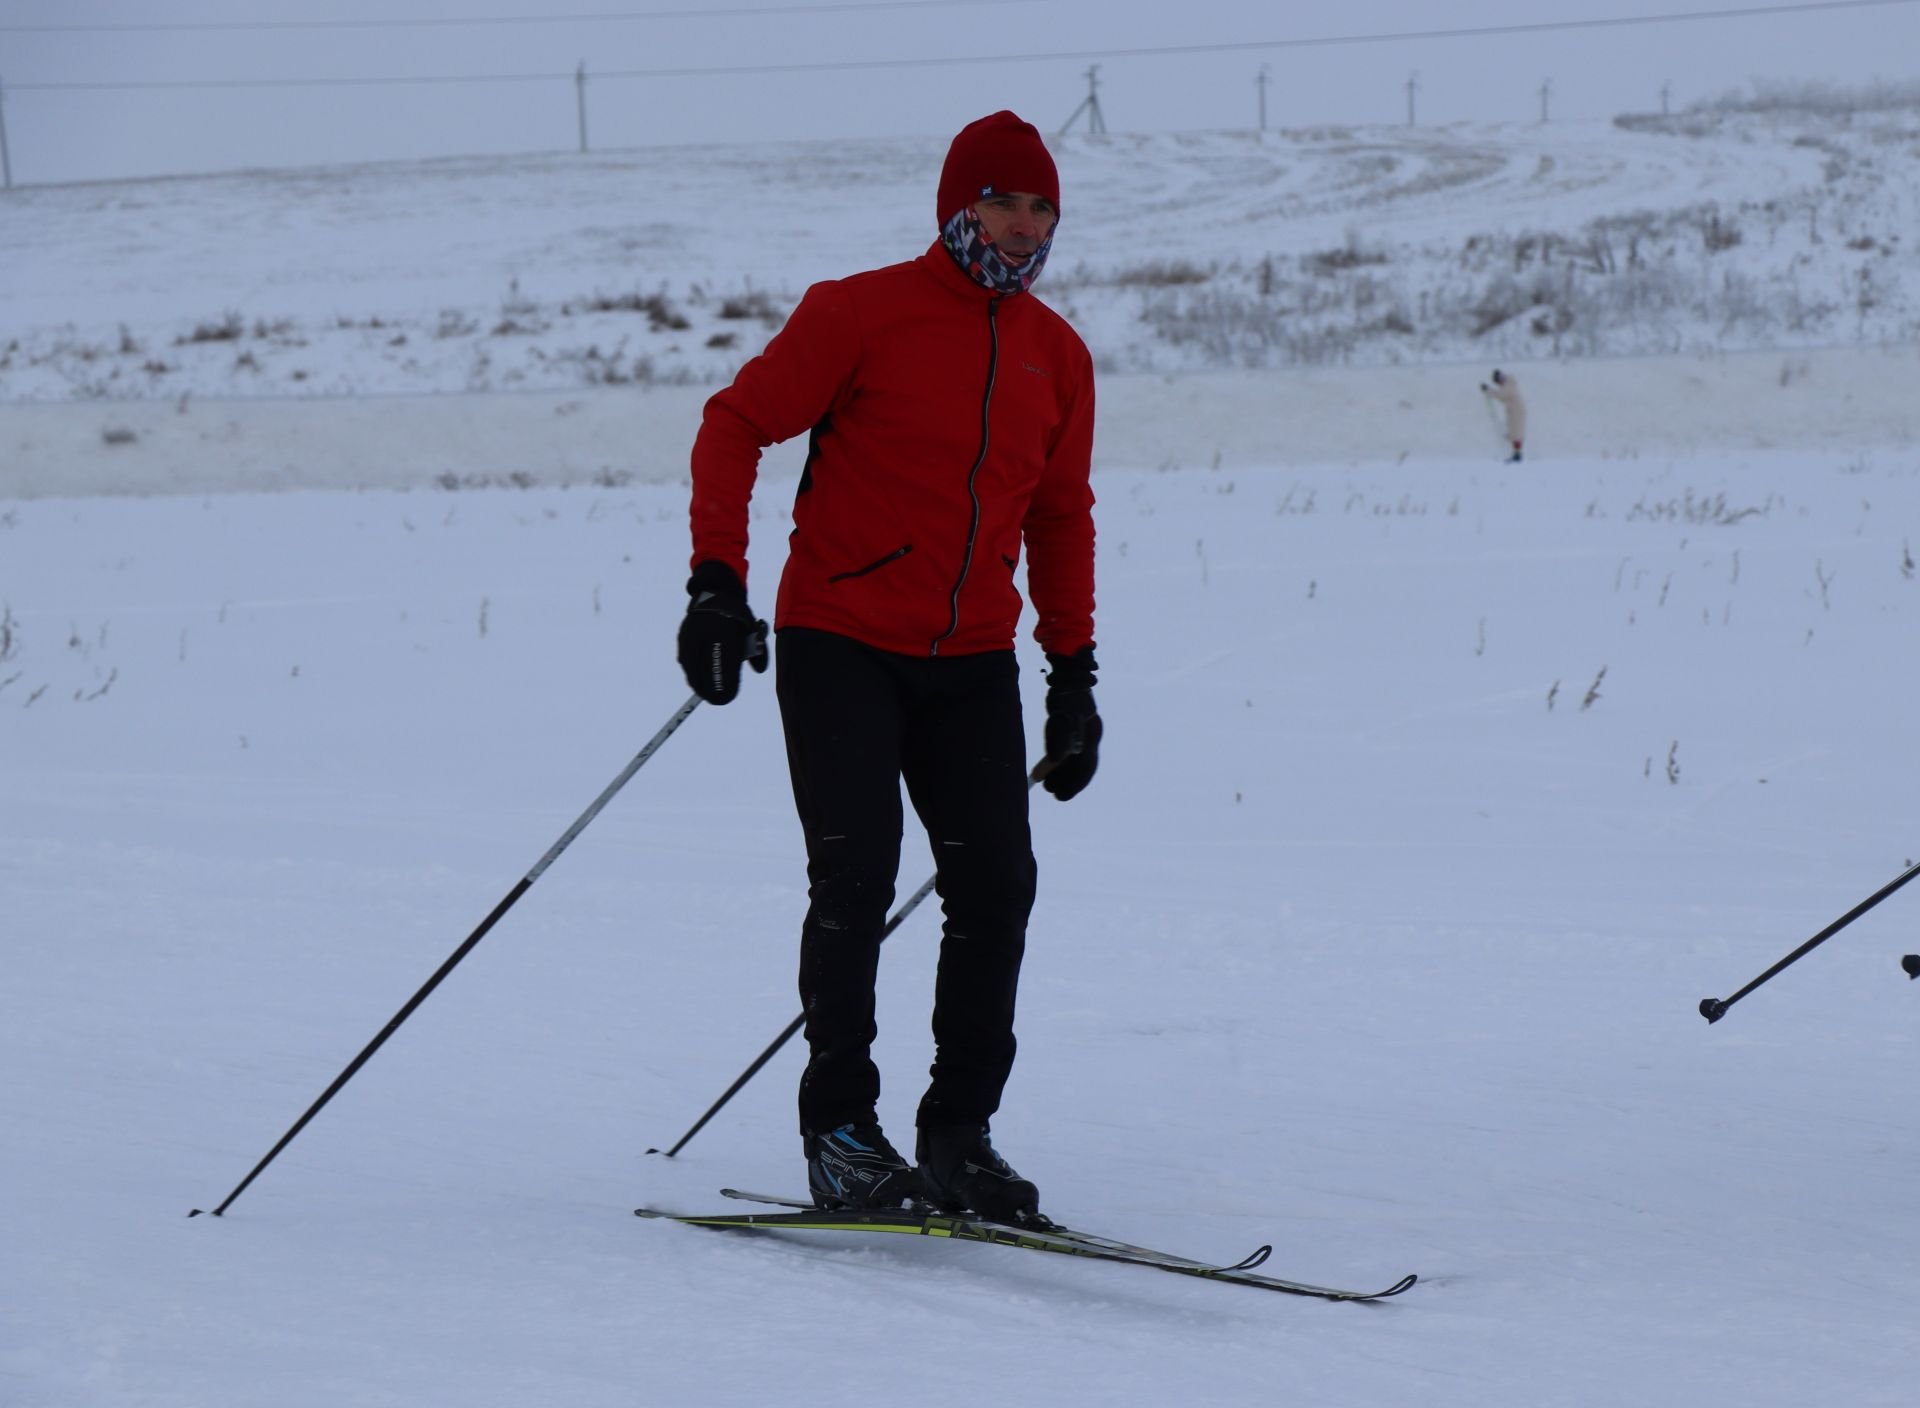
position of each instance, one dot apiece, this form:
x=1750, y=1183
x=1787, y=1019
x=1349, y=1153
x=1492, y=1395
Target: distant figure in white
x=1506, y=391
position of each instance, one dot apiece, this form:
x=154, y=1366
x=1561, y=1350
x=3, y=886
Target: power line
x=480, y=21
x=955, y=60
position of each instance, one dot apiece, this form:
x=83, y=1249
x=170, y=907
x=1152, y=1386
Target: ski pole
x=526, y=883
x=1910, y=965
x=1714, y=1008
x=1040, y=770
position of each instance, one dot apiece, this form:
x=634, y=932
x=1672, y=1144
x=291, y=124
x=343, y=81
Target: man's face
x=1017, y=222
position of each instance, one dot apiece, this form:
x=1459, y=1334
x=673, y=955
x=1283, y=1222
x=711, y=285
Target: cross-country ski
x=1048, y=1238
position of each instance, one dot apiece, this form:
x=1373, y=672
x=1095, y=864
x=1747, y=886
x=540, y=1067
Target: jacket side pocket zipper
x=872, y=566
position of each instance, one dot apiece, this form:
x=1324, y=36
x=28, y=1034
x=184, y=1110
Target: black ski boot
x=960, y=1171
x=855, y=1167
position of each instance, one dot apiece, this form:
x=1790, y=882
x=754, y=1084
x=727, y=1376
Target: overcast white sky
x=1594, y=73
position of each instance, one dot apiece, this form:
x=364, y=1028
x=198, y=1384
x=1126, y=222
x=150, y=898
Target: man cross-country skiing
x=950, y=416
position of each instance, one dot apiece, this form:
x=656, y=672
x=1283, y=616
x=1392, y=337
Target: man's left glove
x=1073, y=724
x=720, y=633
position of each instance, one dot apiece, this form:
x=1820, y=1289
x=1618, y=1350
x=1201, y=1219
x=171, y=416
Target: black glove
x=1073, y=724
x=719, y=633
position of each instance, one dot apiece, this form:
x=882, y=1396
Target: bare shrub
x=1155, y=273
x=1348, y=256
x=1506, y=297
x=614, y=368
x=1813, y=96
x=1694, y=124
x=662, y=316
x=607, y=303
x=660, y=312
x=517, y=306
x=228, y=329
x=1718, y=235
x=1700, y=510
x=754, y=303
x=518, y=479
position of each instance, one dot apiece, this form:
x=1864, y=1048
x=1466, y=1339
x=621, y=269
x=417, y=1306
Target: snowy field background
x=1713, y=232
x=1437, y=792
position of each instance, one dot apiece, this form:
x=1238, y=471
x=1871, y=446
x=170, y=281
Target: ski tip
x=1256, y=1257
x=1368, y=1297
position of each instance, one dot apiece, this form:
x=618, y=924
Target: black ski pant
x=857, y=721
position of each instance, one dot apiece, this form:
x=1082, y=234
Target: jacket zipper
x=893, y=556
x=973, y=523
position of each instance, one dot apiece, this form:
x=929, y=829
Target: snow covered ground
x=1378, y=938
x=1331, y=247
x=1827, y=400
x=1436, y=793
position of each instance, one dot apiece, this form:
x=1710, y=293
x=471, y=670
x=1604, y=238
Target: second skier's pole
x=526, y=883
x=1714, y=1008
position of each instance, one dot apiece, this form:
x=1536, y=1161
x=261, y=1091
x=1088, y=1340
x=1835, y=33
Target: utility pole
x=1413, y=86
x=1666, y=92
x=6, y=161
x=1261, y=83
x=1096, y=124
x=580, y=97
x=1546, y=91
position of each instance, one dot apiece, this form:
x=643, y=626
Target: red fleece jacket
x=947, y=426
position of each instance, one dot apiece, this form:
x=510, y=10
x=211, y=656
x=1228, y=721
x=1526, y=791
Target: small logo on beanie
x=986, y=190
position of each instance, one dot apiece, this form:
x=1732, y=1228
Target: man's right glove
x=719, y=633
x=1073, y=724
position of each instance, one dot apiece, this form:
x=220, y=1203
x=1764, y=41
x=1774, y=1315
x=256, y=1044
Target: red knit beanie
x=996, y=154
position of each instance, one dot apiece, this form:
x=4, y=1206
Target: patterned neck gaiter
x=967, y=242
